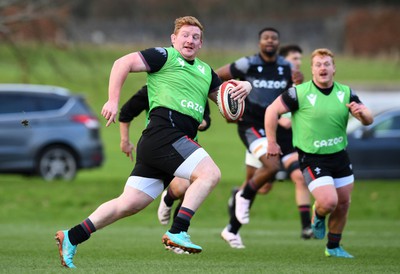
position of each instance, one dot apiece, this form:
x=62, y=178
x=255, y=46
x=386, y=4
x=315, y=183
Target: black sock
x=169, y=198
x=182, y=220
x=179, y=225
x=333, y=240
x=234, y=225
x=176, y=210
x=250, y=190
x=81, y=232
x=304, y=211
x=319, y=216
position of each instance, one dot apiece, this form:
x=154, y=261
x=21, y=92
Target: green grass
x=32, y=210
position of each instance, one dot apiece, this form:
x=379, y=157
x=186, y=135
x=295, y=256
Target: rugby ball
x=231, y=109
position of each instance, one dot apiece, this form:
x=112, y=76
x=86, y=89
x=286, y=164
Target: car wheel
x=57, y=162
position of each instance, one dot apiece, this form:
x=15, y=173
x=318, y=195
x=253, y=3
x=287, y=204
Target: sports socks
x=169, y=198
x=319, y=216
x=250, y=190
x=234, y=225
x=305, y=218
x=333, y=240
x=177, y=210
x=182, y=220
x=81, y=232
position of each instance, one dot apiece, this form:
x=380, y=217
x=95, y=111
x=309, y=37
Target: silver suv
x=48, y=131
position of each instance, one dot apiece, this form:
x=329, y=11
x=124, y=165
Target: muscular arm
x=359, y=110
x=242, y=88
x=361, y=113
x=271, y=118
x=213, y=96
x=224, y=72
x=132, y=62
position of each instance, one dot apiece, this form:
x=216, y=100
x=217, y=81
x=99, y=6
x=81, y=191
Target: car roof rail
x=35, y=88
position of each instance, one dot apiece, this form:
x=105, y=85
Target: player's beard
x=270, y=53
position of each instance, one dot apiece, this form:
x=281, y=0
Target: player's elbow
x=367, y=121
x=367, y=118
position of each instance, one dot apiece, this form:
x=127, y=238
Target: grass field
x=32, y=210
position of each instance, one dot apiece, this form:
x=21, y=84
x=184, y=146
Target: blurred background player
x=270, y=75
x=293, y=54
x=320, y=112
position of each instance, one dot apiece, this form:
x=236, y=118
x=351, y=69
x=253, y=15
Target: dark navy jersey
x=268, y=79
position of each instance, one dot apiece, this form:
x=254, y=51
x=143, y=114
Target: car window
x=388, y=128
x=17, y=103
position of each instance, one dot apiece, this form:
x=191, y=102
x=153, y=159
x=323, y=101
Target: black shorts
x=160, y=151
x=249, y=134
x=336, y=165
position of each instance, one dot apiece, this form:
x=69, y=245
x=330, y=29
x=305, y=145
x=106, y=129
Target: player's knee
x=298, y=179
x=214, y=175
x=328, y=205
x=272, y=165
x=179, y=186
x=210, y=174
x=343, y=206
x=294, y=168
x=272, y=168
x=275, y=167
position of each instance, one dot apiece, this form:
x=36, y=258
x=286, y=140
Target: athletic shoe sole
x=178, y=249
x=59, y=240
x=234, y=242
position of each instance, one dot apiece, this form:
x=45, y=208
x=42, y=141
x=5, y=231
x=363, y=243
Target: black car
x=48, y=131
x=374, y=150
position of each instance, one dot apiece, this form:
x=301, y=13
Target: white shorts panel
x=321, y=181
x=344, y=181
x=252, y=161
x=259, y=147
x=286, y=157
x=151, y=186
x=186, y=168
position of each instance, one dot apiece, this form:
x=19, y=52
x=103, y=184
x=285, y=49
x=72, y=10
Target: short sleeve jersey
x=268, y=79
x=319, y=117
x=180, y=85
